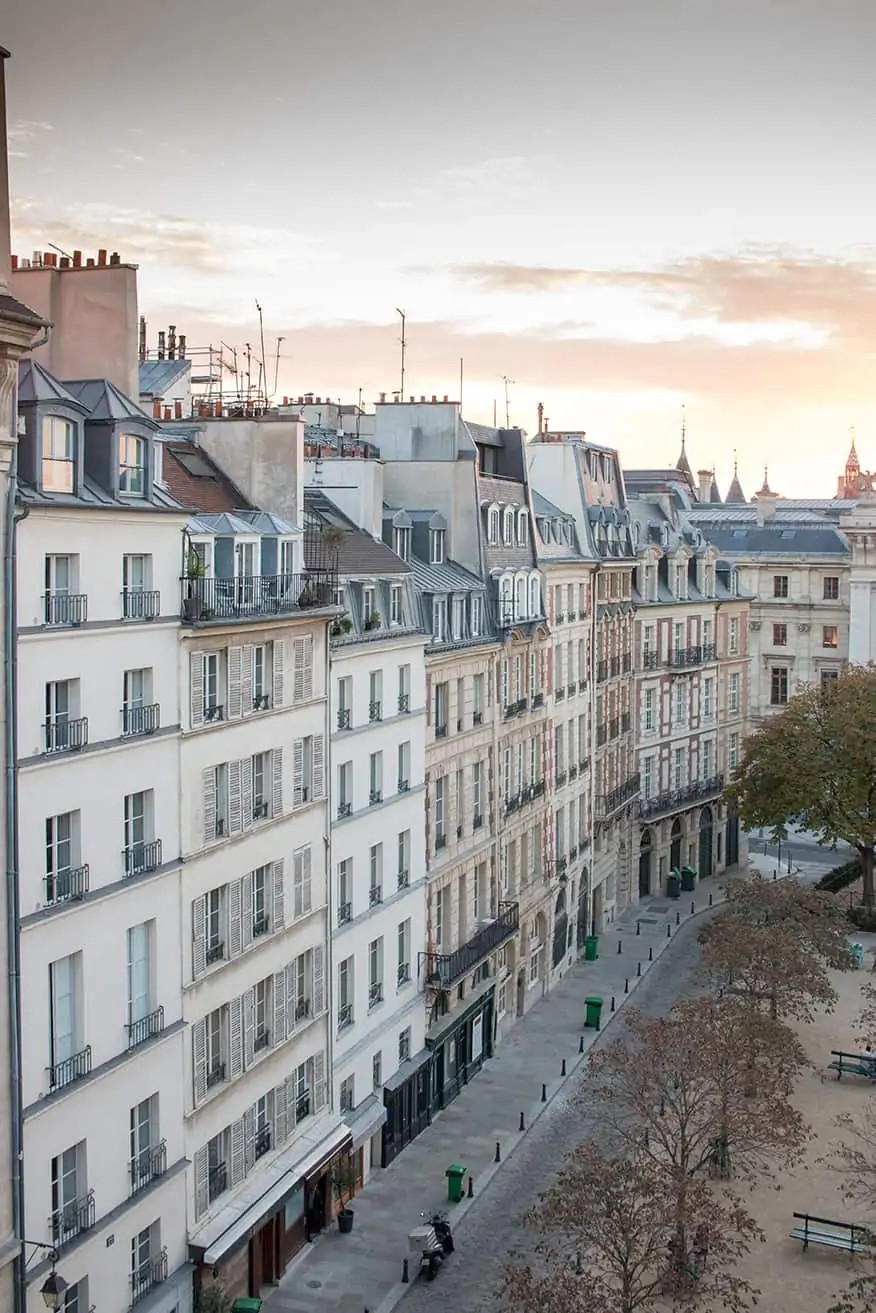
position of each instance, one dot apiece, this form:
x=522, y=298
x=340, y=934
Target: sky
x=624, y=207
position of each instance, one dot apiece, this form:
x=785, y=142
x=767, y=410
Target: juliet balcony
x=445, y=969
x=673, y=800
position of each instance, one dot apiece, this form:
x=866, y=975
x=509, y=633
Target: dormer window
x=436, y=546
x=132, y=465
x=681, y=582
x=59, y=438
x=401, y=542
x=508, y=527
x=522, y=529
x=439, y=619
x=245, y=554
x=493, y=524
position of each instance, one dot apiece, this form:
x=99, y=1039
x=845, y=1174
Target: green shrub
x=841, y=876
x=863, y=918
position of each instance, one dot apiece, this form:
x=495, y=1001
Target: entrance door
x=645, y=865
x=706, y=857
x=561, y=923
x=521, y=992
x=732, y=840
x=675, y=846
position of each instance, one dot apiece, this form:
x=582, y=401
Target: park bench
x=853, y=1064
x=835, y=1235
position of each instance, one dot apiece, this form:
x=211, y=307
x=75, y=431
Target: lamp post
x=54, y=1288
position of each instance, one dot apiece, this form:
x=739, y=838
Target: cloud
x=22, y=130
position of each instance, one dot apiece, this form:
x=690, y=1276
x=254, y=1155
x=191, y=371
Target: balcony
x=627, y=662
x=477, y=820
x=261, y=702
x=560, y=693
x=375, y=994
x=403, y=879
x=148, y=1166
x=404, y=786
x=375, y=895
x=147, y=1276
x=345, y=718
x=145, y=1028
x=302, y=1105
x=217, y=1181
x=249, y=597
x=538, y=789
x=512, y=803
x=403, y=974
x=302, y=1010
x=64, y=609
x=441, y=731
x=582, y=685
x=445, y=969
x=573, y=772
x=683, y=657
x=609, y=803
x=440, y=842
x=404, y=703
x=375, y=710
x=650, y=660
x=72, y=1219
x=215, y=1075
x=142, y=857
x=537, y=700
x=560, y=864
x=601, y=735
x=213, y=713
x=70, y=1069
x=62, y=735
x=140, y=720
x=560, y=779
x=344, y=809
x=374, y=797
x=560, y=618
x=672, y=800
x=140, y=603
x=260, y=925
x=345, y=913
x=66, y=886
x=477, y=718
x=215, y=952
x=345, y=1016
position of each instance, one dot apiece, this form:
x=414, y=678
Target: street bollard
x=678, y=918
x=405, y=1277
x=544, y=1094
x=627, y=985
x=563, y=1068
x=470, y=1188
x=710, y=900
x=650, y=952
x=638, y=968
x=522, y=1126
x=580, y=1043
x=498, y=1157
x=693, y=907
x=638, y=927
x=669, y=932
x=612, y=1002
x=620, y=947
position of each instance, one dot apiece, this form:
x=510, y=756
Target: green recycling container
x=591, y=948
x=688, y=879
x=455, y=1177
x=673, y=884
x=594, y=1012
x=250, y=1304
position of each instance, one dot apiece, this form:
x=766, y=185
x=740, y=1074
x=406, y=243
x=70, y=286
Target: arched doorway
x=645, y=864
x=732, y=839
x=706, y=858
x=561, y=923
x=675, y=845
x=581, y=926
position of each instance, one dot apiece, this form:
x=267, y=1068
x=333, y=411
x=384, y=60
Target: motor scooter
x=424, y=1240
x=440, y=1222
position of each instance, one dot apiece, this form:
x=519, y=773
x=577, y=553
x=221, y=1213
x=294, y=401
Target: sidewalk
x=362, y=1271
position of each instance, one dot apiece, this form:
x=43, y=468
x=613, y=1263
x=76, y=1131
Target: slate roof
x=37, y=384
x=445, y=578
x=18, y=312
x=778, y=537
x=358, y=553
x=96, y=497
x=735, y=495
x=196, y=481
x=265, y=522
x=105, y=402
x=158, y=376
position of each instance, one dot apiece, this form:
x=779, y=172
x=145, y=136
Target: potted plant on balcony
x=193, y=602
x=344, y=1183
x=373, y=621
x=342, y=625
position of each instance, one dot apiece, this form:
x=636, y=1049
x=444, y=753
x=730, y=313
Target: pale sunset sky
x=623, y=205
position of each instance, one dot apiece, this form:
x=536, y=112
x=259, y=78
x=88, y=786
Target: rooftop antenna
x=359, y=416
x=495, y=425
x=683, y=425
x=60, y=251
x=404, y=343
x=262, y=338
x=508, y=382
x=277, y=366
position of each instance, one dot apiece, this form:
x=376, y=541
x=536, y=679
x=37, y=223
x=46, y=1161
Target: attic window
x=58, y=446
x=194, y=464
x=132, y=465
x=436, y=546
x=508, y=527
x=401, y=543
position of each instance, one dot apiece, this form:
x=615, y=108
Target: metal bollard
x=638, y=968
x=627, y=985
x=650, y=952
x=522, y=1126
x=498, y=1157
x=612, y=1002
x=405, y=1277
x=693, y=907
x=563, y=1068
x=544, y=1094
x=578, y=1265
x=669, y=932
x=470, y=1188
x=620, y=946
x=580, y=1043
x=710, y=900
x=678, y=918
x=638, y=927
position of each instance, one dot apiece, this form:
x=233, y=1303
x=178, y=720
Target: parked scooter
x=425, y=1241
x=439, y=1221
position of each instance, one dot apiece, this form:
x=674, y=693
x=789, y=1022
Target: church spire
x=735, y=495
x=853, y=465
x=683, y=464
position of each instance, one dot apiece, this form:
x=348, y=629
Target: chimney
x=765, y=500
x=540, y=417
x=177, y=410
x=704, y=478
x=77, y=259
x=434, y=398
x=101, y=258
x=383, y=398
x=142, y=348
x=156, y=408
x=171, y=342
x=89, y=264
x=65, y=262
x=115, y=258
x=160, y=346
x=181, y=346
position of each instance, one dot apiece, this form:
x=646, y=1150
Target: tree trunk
x=867, y=871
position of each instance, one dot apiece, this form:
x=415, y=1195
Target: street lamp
x=54, y=1287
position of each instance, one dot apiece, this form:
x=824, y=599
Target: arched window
x=520, y=597
x=508, y=527
x=534, y=596
x=522, y=529
x=493, y=524
x=506, y=601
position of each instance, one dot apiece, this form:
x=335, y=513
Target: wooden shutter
x=246, y=911
x=280, y=1008
x=248, y=1027
x=235, y=806
x=235, y=1038
x=298, y=885
x=202, y=1181
x=238, y=1161
x=235, y=672
x=278, y=662
x=280, y=1130
x=246, y=678
x=307, y=662
x=317, y=786
x=291, y=1000
x=307, y=883
x=199, y=936
x=298, y=773
x=318, y=980
x=249, y=1140
x=199, y=1061
x=319, y=1094
x=235, y=928
x=291, y=1101
x=208, y=803
x=196, y=687
x=298, y=671
x=278, y=909
x=246, y=791
x=277, y=781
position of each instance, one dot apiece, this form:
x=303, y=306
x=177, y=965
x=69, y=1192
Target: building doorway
x=645, y=855
x=732, y=839
x=581, y=928
x=561, y=925
x=675, y=846
x=707, y=862
x=521, y=991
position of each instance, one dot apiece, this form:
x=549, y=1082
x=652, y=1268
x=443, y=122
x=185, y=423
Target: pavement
x=361, y=1272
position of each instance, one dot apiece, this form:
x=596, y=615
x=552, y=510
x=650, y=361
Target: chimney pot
x=156, y=409
x=64, y=262
x=101, y=258
x=411, y=399
x=181, y=346
x=422, y=400
x=77, y=259
x=177, y=410
x=445, y=396
x=167, y=412
x=14, y=262
x=89, y=264
x=114, y=258
x=434, y=398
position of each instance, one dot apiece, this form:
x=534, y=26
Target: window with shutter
x=199, y=1062
x=277, y=781
x=302, y=897
x=278, y=663
x=319, y=1001
x=235, y=681
x=248, y=1027
x=279, y=992
x=202, y=1176
x=238, y=1165
x=199, y=937
x=303, y=671
x=246, y=690
x=235, y=1038
x=246, y=799
x=196, y=688
x=298, y=795
x=208, y=803
x=246, y=912
x=319, y=1094
x=292, y=1017
x=278, y=894
x=249, y=1134
x=235, y=926
x=235, y=802
x=280, y=1127
x=318, y=766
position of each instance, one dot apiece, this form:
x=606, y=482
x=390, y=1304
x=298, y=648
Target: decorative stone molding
x=803, y=628
x=754, y=625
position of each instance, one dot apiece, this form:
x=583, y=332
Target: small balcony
x=440, y=842
x=375, y=895
x=149, y=1165
x=345, y=1016
x=213, y=713
x=375, y=994
x=627, y=662
x=217, y=1181
x=441, y=731
x=537, y=700
x=260, y=925
x=140, y=603
x=477, y=821
x=145, y=1028
x=374, y=797
x=63, y=735
x=140, y=720
x=477, y=718
x=345, y=718
x=215, y=952
x=601, y=672
x=303, y=1106
x=375, y=710
x=75, y=1217
x=404, y=786
x=302, y=1010
x=403, y=974
x=147, y=1276
x=65, y=609
x=262, y=1142
x=249, y=597
x=261, y=702
x=650, y=660
x=70, y=1069
x=215, y=1075
x=403, y=879
x=559, y=779
x=560, y=693
x=672, y=800
x=404, y=703
x=609, y=803
x=66, y=886
x=345, y=809
x=573, y=772
x=140, y=858
x=445, y=969
x=345, y=913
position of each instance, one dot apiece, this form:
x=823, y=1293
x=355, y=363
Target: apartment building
x=99, y=791
x=378, y=722
x=568, y=580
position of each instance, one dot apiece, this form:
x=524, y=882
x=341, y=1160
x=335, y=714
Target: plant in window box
x=342, y=625
x=344, y=1185
x=193, y=602
x=212, y=1299
x=373, y=621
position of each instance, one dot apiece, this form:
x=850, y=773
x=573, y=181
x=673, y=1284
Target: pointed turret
x=683, y=464
x=853, y=465
x=714, y=494
x=735, y=495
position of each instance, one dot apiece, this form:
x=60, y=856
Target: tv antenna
x=508, y=383
x=404, y=342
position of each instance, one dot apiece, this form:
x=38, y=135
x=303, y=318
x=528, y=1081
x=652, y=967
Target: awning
x=444, y=1025
x=259, y=1197
x=407, y=1069
x=364, y=1120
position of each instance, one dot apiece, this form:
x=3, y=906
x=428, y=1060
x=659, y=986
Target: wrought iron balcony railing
x=147, y=1276
x=611, y=802
x=141, y=720
x=250, y=596
x=142, y=857
x=445, y=969
x=66, y=886
x=140, y=603
x=145, y=1028
x=70, y=1069
x=147, y=1166
x=71, y=1219
x=65, y=608
x=675, y=799
x=63, y=735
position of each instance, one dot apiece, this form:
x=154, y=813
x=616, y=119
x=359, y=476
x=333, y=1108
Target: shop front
x=365, y=1123
x=460, y=1043
x=247, y=1246
x=406, y=1099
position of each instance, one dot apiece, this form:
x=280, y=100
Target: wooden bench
x=835, y=1235
x=852, y=1064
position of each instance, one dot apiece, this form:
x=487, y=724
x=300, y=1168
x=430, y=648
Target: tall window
x=65, y=1041
x=778, y=686
x=404, y=952
x=831, y=588
x=477, y=615
x=733, y=693
x=439, y=619
x=733, y=635
x=440, y=811
x=401, y=542
x=395, y=604
x=508, y=527
x=132, y=465
x=59, y=437
x=138, y=973
x=780, y=635
x=733, y=751
x=60, y=836
x=649, y=721
x=829, y=636
x=436, y=546
x=780, y=585
x=375, y=972
x=493, y=525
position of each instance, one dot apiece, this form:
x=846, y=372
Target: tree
x=814, y=765
x=606, y=1236
x=855, y=1157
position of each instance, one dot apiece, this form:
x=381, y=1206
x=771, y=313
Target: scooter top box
x=422, y=1238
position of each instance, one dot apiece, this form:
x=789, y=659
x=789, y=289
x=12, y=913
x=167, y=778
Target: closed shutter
x=317, y=789
x=298, y=798
x=246, y=791
x=278, y=662
x=318, y=980
x=280, y=1130
x=277, y=781
x=235, y=672
x=280, y=1008
x=199, y=936
x=291, y=1103
x=235, y=1038
x=319, y=1094
x=249, y=1140
x=196, y=687
x=208, y=803
x=304, y=659
x=235, y=808
x=246, y=678
x=246, y=911
x=199, y=1061
x=202, y=1181
x=298, y=672
x=248, y=1027
x=238, y=1162
x=292, y=1000
x=235, y=942
x=278, y=917
x=298, y=894
x=308, y=881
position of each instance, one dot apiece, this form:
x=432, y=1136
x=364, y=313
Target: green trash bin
x=250, y=1304
x=688, y=879
x=594, y=1012
x=673, y=884
x=455, y=1177
x=591, y=948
